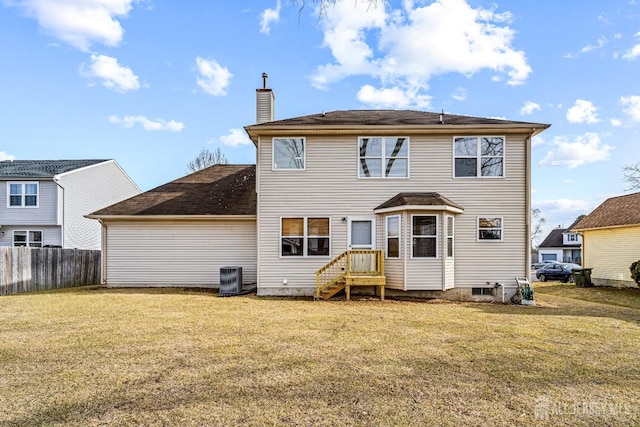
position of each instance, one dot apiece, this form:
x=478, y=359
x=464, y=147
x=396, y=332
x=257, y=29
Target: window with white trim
x=26, y=238
x=300, y=237
x=22, y=194
x=288, y=153
x=393, y=236
x=478, y=156
x=490, y=228
x=383, y=157
x=424, y=231
x=450, y=226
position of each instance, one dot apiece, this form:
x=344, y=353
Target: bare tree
x=537, y=222
x=207, y=158
x=324, y=5
x=632, y=176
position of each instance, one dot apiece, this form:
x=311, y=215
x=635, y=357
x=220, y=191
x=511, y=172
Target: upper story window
x=490, y=228
x=572, y=237
x=22, y=194
x=478, y=156
x=288, y=153
x=386, y=157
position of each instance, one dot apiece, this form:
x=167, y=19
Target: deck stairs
x=353, y=267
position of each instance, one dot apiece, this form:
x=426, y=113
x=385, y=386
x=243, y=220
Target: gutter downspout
x=527, y=267
x=56, y=179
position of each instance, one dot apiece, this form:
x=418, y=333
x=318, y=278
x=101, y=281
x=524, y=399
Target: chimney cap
x=265, y=76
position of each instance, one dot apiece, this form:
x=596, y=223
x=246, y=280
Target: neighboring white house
x=439, y=202
x=611, y=236
x=562, y=245
x=46, y=200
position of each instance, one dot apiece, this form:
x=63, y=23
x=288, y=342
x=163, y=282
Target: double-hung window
x=479, y=156
x=393, y=236
x=288, y=153
x=386, y=157
x=22, y=194
x=490, y=228
x=31, y=239
x=300, y=237
x=424, y=231
x=450, y=225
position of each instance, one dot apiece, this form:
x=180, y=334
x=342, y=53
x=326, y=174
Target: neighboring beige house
x=46, y=200
x=425, y=203
x=611, y=236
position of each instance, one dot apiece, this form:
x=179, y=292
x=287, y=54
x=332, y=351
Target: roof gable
x=554, y=239
x=42, y=168
x=216, y=190
x=614, y=212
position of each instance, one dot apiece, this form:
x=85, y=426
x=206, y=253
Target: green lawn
x=94, y=356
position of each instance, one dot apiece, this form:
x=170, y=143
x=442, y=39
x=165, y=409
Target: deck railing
x=349, y=265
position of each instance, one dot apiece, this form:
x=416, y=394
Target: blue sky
x=150, y=83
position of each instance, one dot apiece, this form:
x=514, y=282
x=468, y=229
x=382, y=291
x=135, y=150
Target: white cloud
x=537, y=140
x=235, y=137
x=113, y=75
x=269, y=16
x=395, y=97
x=563, y=212
x=615, y=122
x=5, y=156
x=147, y=124
x=631, y=106
x=529, y=107
x=583, y=112
x=213, y=78
x=634, y=52
x=418, y=42
x=580, y=150
x=460, y=94
x=588, y=48
x=81, y=22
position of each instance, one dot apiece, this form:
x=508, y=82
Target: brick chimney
x=264, y=102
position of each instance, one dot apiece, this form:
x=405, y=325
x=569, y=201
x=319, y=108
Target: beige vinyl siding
x=87, y=190
x=178, y=253
x=610, y=252
x=424, y=273
x=329, y=186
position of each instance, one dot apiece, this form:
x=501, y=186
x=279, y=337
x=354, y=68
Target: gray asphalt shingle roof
x=418, y=199
x=389, y=117
x=41, y=168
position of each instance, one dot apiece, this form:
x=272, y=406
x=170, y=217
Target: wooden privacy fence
x=38, y=269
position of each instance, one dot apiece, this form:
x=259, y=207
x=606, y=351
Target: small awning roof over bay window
x=419, y=201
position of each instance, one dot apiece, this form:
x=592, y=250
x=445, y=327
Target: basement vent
x=482, y=291
x=230, y=281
